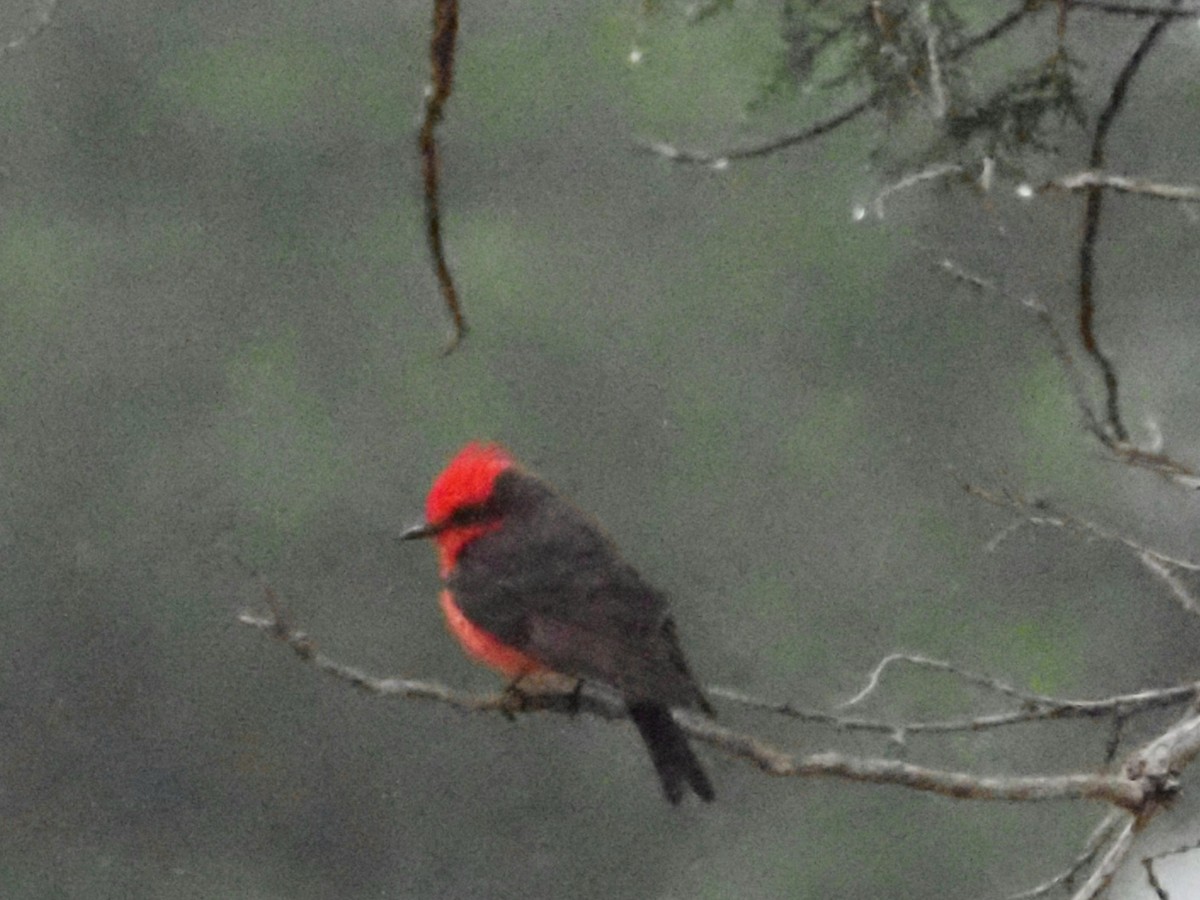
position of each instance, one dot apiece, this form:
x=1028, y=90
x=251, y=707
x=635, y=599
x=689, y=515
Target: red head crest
x=467, y=480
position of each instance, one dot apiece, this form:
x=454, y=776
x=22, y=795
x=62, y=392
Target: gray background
x=219, y=366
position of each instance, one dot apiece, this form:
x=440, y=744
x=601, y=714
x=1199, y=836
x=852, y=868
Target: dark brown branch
x=1152, y=459
x=1149, y=861
x=721, y=160
x=1126, y=9
x=441, y=57
x=1116, y=432
x=1058, y=343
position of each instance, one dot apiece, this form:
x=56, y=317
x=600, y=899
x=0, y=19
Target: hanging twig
x=441, y=57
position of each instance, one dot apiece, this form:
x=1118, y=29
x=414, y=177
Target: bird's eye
x=474, y=514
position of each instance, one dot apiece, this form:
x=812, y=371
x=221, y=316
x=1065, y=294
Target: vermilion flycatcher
x=533, y=586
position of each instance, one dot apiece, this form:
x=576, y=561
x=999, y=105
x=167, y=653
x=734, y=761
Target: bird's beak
x=424, y=530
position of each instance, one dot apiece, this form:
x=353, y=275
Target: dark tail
x=673, y=758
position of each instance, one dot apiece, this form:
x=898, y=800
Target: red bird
x=533, y=586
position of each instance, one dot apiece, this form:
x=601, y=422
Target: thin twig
x=1088, y=179
x=1058, y=343
x=721, y=160
x=1149, y=861
x=1103, y=874
x=1066, y=359
x=1100, y=834
x=1151, y=459
x=1161, y=565
x=1035, y=709
x=1162, y=569
x=1126, y=9
x=939, y=665
x=936, y=88
x=441, y=57
x=304, y=647
x=997, y=28
x=929, y=174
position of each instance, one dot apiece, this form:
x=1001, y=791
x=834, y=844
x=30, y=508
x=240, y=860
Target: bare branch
x=1128, y=790
x=1099, y=836
x=1115, y=429
x=962, y=785
x=1103, y=874
x=1159, y=564
x=698, y=12
x=939, y=665
x=1035, y=709
x=1149, y=861
x=306, y=649
x=1159, y=891
x=1162, y=759
x=1058, y=343
x=721, y=160
x=1152, y=459
x=933, y=172
x=1162, y=569
x=970, y=278
x=936, y=88
x=1126, y=9
x=995, y=30
x=1088, y=179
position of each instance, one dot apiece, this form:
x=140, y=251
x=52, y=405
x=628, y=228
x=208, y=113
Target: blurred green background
x=219, y=366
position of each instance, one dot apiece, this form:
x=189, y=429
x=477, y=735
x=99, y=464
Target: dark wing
x=549, y=583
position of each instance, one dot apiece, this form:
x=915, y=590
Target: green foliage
x=893, y=46
x=922, y=63
x=1022, y=114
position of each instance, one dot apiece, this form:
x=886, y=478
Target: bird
x=531, y=586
